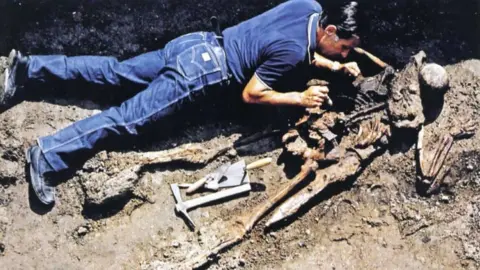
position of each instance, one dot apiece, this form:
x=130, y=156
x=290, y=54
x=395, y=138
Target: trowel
x=228, y=175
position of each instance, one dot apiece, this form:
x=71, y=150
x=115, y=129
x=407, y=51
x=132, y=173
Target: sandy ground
x=377, y=222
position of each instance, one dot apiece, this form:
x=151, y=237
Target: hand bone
x=467, y=130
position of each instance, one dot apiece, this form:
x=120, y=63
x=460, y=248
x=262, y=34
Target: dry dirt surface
x=377, y=221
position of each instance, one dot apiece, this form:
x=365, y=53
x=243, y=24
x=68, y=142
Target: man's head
x=337, y=31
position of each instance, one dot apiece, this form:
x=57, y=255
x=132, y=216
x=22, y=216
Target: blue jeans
x=186, y=65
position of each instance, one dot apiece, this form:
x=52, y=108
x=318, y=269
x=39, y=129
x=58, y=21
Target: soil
x=377, y=221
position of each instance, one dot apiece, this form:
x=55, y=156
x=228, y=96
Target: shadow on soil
x=108, y=209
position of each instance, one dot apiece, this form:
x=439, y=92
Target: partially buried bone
x=349, y=164
x=246, y=222
x=350, y=139
x=432, y=167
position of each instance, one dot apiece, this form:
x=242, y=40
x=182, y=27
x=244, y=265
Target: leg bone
x=433, y=169
x=246, y=223
x=338, y=172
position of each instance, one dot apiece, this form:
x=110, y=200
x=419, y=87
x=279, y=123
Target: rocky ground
x=378, y=221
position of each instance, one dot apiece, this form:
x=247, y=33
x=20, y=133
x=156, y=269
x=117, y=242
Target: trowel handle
x=195, y=186
x=259, y=163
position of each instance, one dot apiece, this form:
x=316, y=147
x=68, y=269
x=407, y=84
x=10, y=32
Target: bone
x=357, y=114
x=421, y=134
x=438, y=179
x=98, y=191
x=100, y=187
x=370, y=133
x=297, y=147
x=465, y=131
x=434, y=76
x=434, y=169
x=404, y=103
x=338, y=172
x=247, y=221
x=362, y=99
x=395, y=101
x=251, y=219
x=348, y=165
x=441, y=154
x=291, y=134
x=190, y=153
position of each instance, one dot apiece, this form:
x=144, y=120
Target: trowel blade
x=220, y=171
x=234, y=175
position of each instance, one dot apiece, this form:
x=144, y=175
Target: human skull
x=434, y=76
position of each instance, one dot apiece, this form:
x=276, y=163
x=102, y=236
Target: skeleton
x=336, y=146
x=333, y=145
x=431, y=164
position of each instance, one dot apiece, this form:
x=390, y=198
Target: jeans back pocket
x=197, y=61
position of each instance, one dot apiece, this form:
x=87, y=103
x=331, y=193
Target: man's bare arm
x=349, y=68
x=322, y=62
x=257, y=92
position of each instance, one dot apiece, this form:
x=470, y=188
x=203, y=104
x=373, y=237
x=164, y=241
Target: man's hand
x=351, y=68
x=314, y=96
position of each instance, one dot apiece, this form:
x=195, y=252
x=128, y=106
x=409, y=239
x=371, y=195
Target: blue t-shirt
x=274, y=43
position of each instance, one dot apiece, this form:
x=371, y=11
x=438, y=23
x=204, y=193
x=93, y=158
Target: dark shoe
x=9, y=80
x=38, y=168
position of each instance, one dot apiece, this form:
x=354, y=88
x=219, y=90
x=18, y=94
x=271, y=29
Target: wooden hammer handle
x=372, y=57
x=217, y=196
x=258, y=164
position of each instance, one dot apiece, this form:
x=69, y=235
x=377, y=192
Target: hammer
x=182, y=207
x=238, y=168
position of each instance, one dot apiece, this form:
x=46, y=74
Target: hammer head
x=180, y=207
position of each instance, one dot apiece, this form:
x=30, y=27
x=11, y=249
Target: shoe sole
x=29, y=162
x=6, y=75
x=11, y=57
x=11, y=62
x=27, y=156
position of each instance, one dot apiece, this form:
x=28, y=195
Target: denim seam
x=47, y=158
x=211, y=83
x=121, y=124
x=221, y=66
x=215, y=58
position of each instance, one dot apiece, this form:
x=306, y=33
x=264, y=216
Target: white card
x=206, y=57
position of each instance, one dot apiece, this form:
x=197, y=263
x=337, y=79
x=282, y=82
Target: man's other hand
x=314, y=96
x=351, y=68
